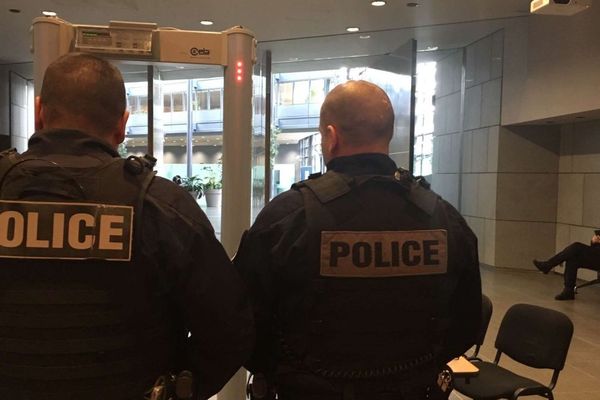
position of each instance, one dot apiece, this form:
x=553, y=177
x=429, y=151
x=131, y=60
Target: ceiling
x=312, y=32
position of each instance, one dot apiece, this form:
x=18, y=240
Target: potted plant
x=212, y=188
x=193, y=184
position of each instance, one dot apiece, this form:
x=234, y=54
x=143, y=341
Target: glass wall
x=185, y=113
x=259, y=151
x=424, y=118
x=299, y=89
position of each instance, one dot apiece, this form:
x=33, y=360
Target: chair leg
x=550, y=396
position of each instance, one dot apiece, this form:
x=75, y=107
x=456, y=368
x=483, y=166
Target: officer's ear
x=38, y=114
x=120, y=133
x=333, y=139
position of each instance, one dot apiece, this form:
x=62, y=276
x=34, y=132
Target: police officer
x=364, y=283
x=109, y=276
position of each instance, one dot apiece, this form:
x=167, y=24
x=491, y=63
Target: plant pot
x=194, y=193
x=213, y=197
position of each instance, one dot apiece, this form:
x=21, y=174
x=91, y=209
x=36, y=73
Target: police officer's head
x=356, y=117
x=86, y=93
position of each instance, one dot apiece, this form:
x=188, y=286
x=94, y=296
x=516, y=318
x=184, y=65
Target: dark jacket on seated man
x=576, y=255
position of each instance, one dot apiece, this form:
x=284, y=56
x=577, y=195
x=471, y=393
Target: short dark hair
x=83, y=86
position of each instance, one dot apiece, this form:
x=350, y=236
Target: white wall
x=551, y=66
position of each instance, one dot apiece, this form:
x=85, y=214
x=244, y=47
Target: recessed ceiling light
x=48, y=13
x=365, y=36
x=206, y=22
x=378, y=3
x=14, y=10
x=353, y=29
x=412, y=4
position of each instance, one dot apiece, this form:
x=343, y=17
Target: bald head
x=362, y=116
x=81, y=91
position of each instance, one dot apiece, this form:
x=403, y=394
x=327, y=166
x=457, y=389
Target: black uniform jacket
x=272, y=260
x=187, y=267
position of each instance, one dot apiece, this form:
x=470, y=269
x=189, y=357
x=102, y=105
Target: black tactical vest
x=373, y=312
x=76, y=323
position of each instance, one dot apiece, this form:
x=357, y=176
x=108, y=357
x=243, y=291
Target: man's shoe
x=566, y=294
x=543, y=266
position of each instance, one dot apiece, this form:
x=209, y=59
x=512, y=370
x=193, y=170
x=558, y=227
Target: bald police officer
x=109, y=276
x=364, y=283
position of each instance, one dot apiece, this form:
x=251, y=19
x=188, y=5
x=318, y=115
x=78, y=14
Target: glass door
x=300, y=86
x=184, y=114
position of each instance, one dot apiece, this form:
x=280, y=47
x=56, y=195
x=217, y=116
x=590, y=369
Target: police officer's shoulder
x=311, y=177
x=279, y=208
x=175, y=201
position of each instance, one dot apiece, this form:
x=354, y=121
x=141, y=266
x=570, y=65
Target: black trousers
x=415, y=394
x=577, y=255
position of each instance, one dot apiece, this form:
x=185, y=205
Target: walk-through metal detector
x=234, y=49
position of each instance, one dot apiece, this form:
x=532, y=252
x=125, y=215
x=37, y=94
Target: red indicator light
x=239, y=64
x=239, y=71
x=239, y=78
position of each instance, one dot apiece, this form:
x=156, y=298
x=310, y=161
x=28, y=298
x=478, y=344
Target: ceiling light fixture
x=48, y=13
x=365, y=36
x=206, y=22
x=378, y=3
x=412, y=4
x=353, y=29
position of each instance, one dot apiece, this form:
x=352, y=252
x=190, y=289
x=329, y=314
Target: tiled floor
x=580, y=380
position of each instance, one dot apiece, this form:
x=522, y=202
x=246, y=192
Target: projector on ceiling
x=559, y=7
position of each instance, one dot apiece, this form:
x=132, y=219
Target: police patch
x=375, y=254
x=65, y=230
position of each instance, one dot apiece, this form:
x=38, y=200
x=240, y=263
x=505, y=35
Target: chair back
x=535, y=336
x=486, y=315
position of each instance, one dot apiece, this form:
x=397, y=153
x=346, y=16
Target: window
x=424, y=112
x=317, y=91
x=137, y=104
x=302, y=92
x=167, y=103
x=215, y=99
x=179, y=101
x=286, y=91
x=175, y=102
x=208, y=99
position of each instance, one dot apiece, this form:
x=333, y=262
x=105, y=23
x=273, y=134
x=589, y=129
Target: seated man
x=576, y=255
